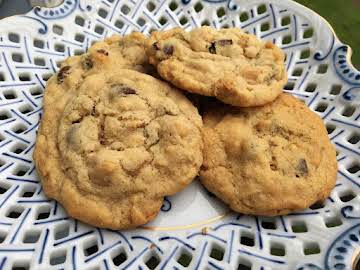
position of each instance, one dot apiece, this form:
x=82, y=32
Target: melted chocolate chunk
x=63, y=73
x=122, y=89
x=102, y=51
x=87, y=62
x=221, y=42
x=128, y=91
x=212, y=48
x=302, y=168
x=76, y=121
x=168, y=49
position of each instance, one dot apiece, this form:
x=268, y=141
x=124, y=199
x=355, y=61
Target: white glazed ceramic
x=193, y=227
x=45, y=3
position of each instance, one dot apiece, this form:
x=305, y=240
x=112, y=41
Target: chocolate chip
x=128, y=91
x=224, y=42
x=273, y=163
x=302, y=168
x=273, y=167
x=87, y=62
x=77, y=121
x=102, y=51
x=156, y=46
x=221, y=42
x=101, y=134
x=212, y=48
x=121, y=89
x=168, y=49
x=93, y=110
x=63, y=73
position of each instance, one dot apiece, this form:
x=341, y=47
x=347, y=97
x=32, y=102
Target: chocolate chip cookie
x=113, y=144
x=114, y=52
x=235, y=67
x=268, y=160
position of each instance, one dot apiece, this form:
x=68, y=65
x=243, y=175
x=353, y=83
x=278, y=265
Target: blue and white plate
x=193, y=230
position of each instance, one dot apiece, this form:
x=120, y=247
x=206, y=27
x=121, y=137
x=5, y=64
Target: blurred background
x=343, y=15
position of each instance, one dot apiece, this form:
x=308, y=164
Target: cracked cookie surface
x=235, y=67
x=112, y=147
x=268, y=160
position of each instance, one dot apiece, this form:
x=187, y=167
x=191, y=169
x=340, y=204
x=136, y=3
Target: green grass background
x=344, y=16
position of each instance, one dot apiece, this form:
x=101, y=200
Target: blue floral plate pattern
x=194, y=230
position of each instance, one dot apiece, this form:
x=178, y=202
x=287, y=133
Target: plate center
x=193, y=207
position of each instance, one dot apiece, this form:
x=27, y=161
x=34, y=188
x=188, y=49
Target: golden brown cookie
x=268, y=160
x=112, y=145
x=115, y=52
x=235, y=67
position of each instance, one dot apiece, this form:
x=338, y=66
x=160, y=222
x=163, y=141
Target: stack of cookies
x=117, y=135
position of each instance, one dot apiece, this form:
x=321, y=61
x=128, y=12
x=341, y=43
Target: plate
x=193, y=230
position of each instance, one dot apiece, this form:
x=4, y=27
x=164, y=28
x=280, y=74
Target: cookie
x=268, y=160
x=235, y=67
x=113, y=145
x=114, y=52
